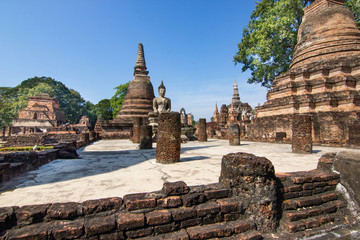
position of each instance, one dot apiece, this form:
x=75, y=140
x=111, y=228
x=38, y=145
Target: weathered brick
x=7, y=217
x=99, y=225
x=158, y=217
x=290, y=195
x=315, y=211
x=312, y=223
x=305, y=193
x=305, y=202
x=216, y=193
x=212, y=218
x=295, y=215
x=228, y=205
x=31, y=214
x=308, y=186
x=164, y=228
x=333, y=182
x=301, y=179
x=329, y=197
x=139, y=233
x=251, y=235
x=293, y=188
x=126, y=221
x=241, y=226
x=62, y=211
x=68, y=229
x=231, y=216
x=210, y=231
x=175, y=188
x=193, y=199
x=101, y=205
x=326, y=219
x=329, y=176
x=329, y=207
x=289, y=204
x=179, y=235
x=320, y=184
x=183, y=213
x=169, y=202
x=294, y=226
x=139, y=201
x=190, y=222
x=37, y=231
x=112, y=236
x=207, y=208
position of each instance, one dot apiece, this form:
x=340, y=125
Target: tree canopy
x=269, y=39
x=118, y=99
x=71, y=103
x=104, y=110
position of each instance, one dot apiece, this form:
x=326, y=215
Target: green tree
x=104, y=110
x=118, y=99
x=71, y=102
x=269, y=39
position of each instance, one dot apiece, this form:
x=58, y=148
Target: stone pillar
x=146, y=137
x=234, y=134
x=168, y=138
x=253, y=179
x=202, y=130
x=301, y=134
x=189, y=119
x=136, y=130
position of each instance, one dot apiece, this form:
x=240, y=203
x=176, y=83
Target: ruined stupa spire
x=236, y=97
x=140, y=66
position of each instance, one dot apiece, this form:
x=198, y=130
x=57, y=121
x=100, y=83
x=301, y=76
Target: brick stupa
x=140, y=94
x=323, y=80
x=137, y=103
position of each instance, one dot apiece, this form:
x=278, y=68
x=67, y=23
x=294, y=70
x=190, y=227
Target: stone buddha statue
x=161, y=103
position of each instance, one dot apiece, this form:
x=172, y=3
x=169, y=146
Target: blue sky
x=91, y=46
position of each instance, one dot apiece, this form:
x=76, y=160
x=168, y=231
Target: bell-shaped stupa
x=323, y=80
x=140, y=93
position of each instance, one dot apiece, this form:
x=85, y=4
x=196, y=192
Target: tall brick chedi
x=140, y=94
x=322, y=80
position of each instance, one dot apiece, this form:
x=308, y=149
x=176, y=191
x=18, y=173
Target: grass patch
x=22, y=149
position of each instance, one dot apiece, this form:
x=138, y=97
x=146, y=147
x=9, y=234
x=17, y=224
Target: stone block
x=231, y=217
x=169, y=202
x=175, y=188
x=37, y=231
x=216, y=193
x=207, y=208
x=301, y=134
x=112, y=236
x=99, y=225
x=101, y=205
x=164, y=228
x=228, y=205
x=241, y=226
x=182, y=213
x=62, y=211
x=31, y=214
x=169, y=138
x=234, y=134
x=193, y=199
x=139, y=201
x=68, y=229
x=210, y=231
x=190, y=222
x=158, y=217
x=139, y=233
x=126, y=221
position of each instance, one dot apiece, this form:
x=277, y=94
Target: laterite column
x=301, y=134
x=146, y=137
x=202, y=130
x=169, y=138
x=136, y=130
x=234, y=134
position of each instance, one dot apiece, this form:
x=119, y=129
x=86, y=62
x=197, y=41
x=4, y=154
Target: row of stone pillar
x=169, y=135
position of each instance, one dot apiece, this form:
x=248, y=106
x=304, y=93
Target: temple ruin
x=322, y=81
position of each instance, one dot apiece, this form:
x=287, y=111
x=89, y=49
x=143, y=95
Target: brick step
x=309, y=201
x=223, y=230
x=249, y=235
x=313, y=211
x=309, y=223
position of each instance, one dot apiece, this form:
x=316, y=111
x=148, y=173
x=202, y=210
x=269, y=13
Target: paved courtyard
x=116, y=167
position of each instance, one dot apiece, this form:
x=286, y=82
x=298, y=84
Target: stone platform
x=114, y=168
